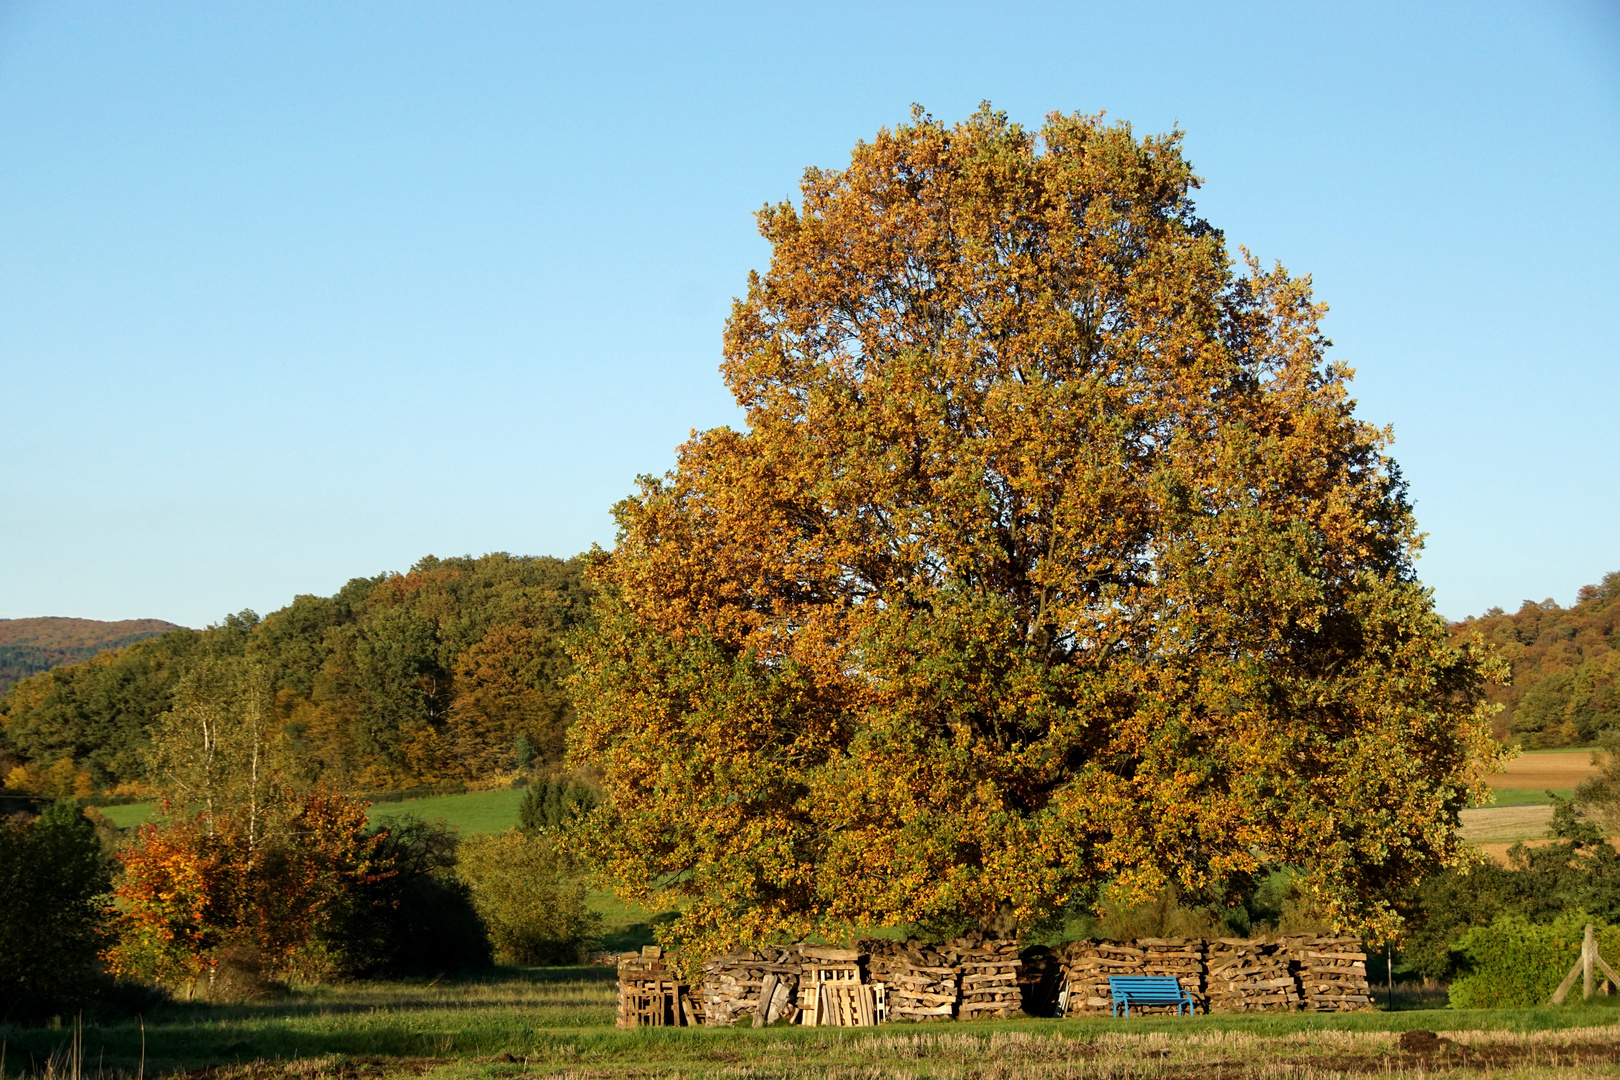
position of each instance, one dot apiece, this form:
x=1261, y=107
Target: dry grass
x=558, y=1023
x=1014, y=1055
x=1505, y=824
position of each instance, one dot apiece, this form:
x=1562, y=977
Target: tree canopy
x=438, y=674
x=1565, y=689
x=1052, y=556
x=29, y=646
x=54, y=882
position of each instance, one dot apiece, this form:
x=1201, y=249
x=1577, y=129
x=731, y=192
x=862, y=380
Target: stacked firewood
x=884, y=958
x=1087, y=965
x=760, y=985
x=1181, y=959
x=651, y=991
x=1333, y=974
x=921, y=980
x=1244, y=975
x=990, y=970
x=978, y=977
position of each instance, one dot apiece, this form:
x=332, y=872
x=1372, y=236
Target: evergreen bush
x=53, y=884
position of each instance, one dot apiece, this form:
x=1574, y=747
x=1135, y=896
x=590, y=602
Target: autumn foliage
x=447, y=673
x=190, y=892
x=1565, y=689
x=1052, y=555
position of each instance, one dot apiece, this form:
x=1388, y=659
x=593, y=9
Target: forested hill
x=451, y=671
x=1566, y=666
x=29, y=646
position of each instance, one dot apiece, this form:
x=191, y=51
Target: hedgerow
x=1514, y=963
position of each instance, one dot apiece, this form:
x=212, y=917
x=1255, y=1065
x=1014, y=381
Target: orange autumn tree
x=193, y=889
x=1053, y=556
x=238, y=862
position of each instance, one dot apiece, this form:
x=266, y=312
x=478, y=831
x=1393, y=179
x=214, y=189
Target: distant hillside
x=29, y=646
x=454, y=671
x=1566, y=666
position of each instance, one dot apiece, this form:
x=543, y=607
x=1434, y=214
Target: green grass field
x=559, y=1022
x=1528, y=796
x=468, y=813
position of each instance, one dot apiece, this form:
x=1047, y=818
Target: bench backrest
x=1145, y=986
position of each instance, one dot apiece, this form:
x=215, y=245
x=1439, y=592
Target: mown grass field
x=468, y=813
x=559, y=1022
x=1538, y=770
x=1529, y=796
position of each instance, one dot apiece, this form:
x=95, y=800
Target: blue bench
x=1148, y=990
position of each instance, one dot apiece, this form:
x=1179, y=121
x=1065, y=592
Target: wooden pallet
x=843, y=1004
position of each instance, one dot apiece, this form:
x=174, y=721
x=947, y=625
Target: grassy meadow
x=559, y=1022
x=468, y=813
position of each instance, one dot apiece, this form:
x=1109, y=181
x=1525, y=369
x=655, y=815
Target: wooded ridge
x=29, y=646
x=451, y=671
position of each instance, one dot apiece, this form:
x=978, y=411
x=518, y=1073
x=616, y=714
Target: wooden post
x=1589, y=959
x=1588, y=951
x=1389, y=971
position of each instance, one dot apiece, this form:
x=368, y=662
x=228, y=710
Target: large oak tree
x=1053, y=554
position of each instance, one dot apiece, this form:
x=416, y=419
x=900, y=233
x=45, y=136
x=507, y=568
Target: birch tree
x=219, y=751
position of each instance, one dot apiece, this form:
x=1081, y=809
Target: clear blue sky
x=291, y=293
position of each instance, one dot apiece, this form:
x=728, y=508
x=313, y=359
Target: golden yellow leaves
x=1053, y=555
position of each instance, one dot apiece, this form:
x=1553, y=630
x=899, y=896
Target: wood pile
x=989, y=981
x=1244, y=975
x=760, y=985
x=1087, y=964
x=921, y=981
x=1333, y=974
x=843, y=1003
x=977, y=977
x=651, y=993
x=884, y=957
x=1181, y=959
x=831, y=991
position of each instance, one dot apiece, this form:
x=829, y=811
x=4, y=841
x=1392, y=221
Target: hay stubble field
x=558, y=1022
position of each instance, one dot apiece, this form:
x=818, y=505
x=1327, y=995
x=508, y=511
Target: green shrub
x=53, y=883
x=533, y=913
x=554, y=803
x=417, y=919
x=1514, y=963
